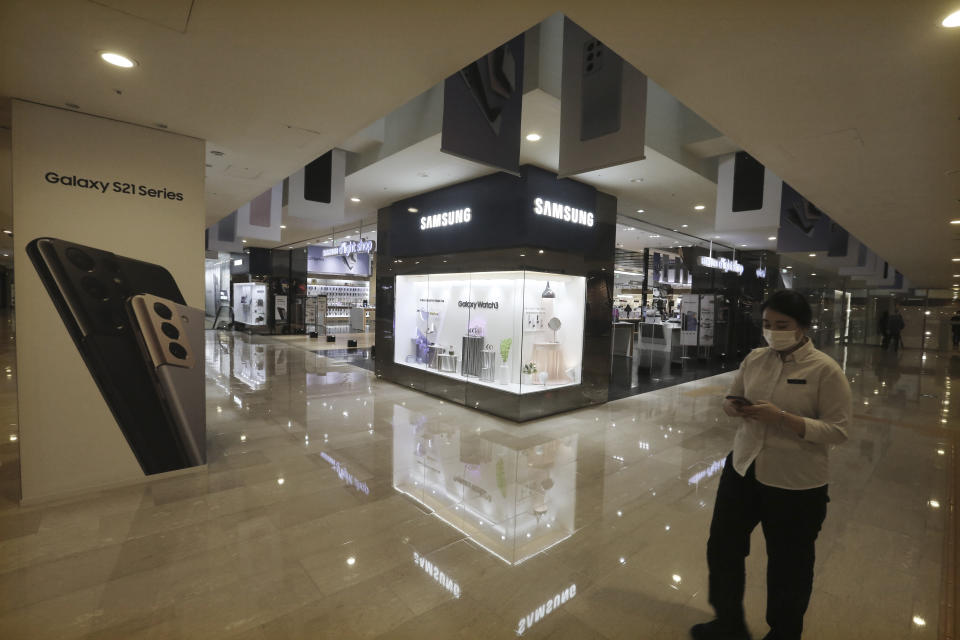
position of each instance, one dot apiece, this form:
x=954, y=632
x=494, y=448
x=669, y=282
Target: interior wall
x=69, y=440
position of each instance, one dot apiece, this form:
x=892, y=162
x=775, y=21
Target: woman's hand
x=765, y=412
x=732, y=408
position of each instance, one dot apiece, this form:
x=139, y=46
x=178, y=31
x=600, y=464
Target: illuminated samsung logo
x=439, y=576
x=560, y=211
x=446, y=219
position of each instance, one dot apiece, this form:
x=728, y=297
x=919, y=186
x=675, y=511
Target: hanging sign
x=722, y=264
x=351, y=248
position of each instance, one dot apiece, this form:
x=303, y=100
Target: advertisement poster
x=140, y=340
x=310, y=312
x=689, y=319
x=280, y=308
x=707, y=320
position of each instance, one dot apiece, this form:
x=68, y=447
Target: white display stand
x=250, y=303
x=358, y=319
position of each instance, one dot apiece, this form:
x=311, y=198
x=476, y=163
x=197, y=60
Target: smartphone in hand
x=740, y=400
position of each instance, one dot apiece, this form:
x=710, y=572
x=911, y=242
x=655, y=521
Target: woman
x=795, y=402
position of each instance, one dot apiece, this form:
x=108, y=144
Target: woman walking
x=795, y=402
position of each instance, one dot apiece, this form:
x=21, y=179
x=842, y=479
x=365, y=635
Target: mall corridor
x=335, y=505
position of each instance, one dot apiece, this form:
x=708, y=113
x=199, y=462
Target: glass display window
x=518, y=331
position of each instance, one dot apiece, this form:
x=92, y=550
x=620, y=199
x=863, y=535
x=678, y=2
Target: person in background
x=794, y=402
x=895, y=325
x=955, y=328
x=882, y=329
x=627, y=309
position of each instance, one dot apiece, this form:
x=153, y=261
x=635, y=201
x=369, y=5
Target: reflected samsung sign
x=560, y=211
x=446, y=219
x=434, y=572
x=546, y=609
x=730, y=266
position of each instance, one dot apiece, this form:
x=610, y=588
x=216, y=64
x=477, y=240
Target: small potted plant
x=503, y=373
x=529, y=371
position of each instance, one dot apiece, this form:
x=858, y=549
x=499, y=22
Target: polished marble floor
x=336, y=505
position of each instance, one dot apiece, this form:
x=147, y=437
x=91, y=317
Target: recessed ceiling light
x=654, y=235
x=117, y=60
x=8, y=232
x=354, y=199
x=789, y=267
x=412, y=209
x=639, y=210
x=813, y=274
x=952, y=20
x=700, y=207
x=629, y=228
x=283, y=226
x=956, y=259
x=772, y=238
x=812, y=255
x=743, y=245
x=541, y=251
x=534, y=137
x=243, y=241
x=684, y=226
x=955, y=222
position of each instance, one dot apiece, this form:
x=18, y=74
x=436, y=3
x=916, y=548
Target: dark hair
x=790, y=303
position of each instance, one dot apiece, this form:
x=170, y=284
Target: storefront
x=342, y=274
x=497, y=293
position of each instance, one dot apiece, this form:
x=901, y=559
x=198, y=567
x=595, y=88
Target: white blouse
x=807, y=383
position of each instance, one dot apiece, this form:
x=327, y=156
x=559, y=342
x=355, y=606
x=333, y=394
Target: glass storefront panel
x=512, y=330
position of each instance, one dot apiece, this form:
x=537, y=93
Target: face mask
x=780, y=340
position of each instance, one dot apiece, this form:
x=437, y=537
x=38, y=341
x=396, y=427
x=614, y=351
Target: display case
x=517, y=331
x=250, y=303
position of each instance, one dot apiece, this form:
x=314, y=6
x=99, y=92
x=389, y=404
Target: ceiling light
x=699, y=207
x=772, y=238
x=541, y=251
x=789, y=267
x=813, y=255
x=8, y=232
x=243, y=241
x=117, y=60
x=813, y=274
x=743, y=245
x=639, y=210
x=283, y=226
x=654, y=235
x=354, y=199
x=952, y=20
x=534, y=137
x=684, y=226
x=412, y=209
x=955, y=222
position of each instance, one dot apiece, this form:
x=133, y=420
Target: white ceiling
x=854, y=105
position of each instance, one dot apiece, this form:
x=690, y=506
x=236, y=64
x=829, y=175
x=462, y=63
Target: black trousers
x=791, y=521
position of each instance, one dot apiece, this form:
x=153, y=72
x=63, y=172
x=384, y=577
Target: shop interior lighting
x=412, y=209
x=952, y=21
x=954, y=259
x=955, y=222
x=684, y=226
x=117, y=60
x=534, y=137
x=772, y=238
x=283, y=226
x=8, y=232
x=548, y=292
x=700, y=207
x=812, y=255
x=354, y=199
x=639, y=210
x=243, y=241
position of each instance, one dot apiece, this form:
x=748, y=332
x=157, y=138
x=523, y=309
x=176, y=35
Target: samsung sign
x=560, y=211
x=731, y=266
x=446, y=219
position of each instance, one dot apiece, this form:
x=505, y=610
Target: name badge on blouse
x=796, y=381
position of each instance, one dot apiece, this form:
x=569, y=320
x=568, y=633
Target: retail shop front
x=496, y=294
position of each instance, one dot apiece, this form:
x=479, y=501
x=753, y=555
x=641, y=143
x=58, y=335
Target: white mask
x=780, y=340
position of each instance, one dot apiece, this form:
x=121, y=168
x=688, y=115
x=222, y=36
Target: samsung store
x=496, y=293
